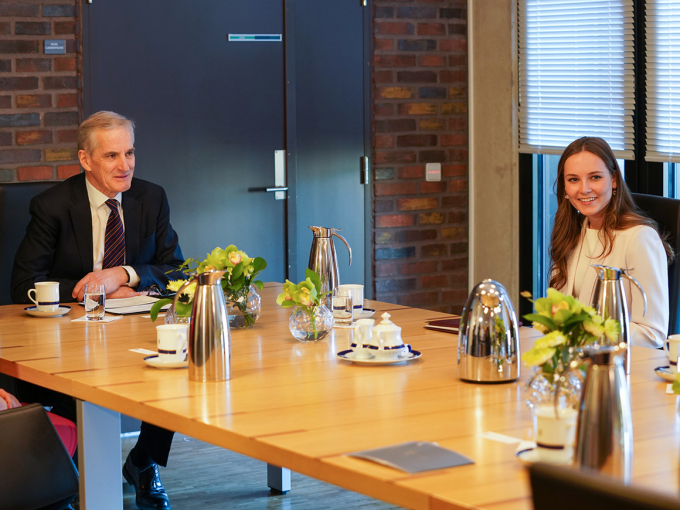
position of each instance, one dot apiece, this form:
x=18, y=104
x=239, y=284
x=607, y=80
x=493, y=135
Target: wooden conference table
x=296, y=405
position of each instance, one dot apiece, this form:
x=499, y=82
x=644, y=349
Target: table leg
x=99, y=453
x=278, y=479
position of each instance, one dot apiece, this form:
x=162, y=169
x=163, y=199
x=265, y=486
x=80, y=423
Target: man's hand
x=112, y=279
x=8, y=401
x=123, y=292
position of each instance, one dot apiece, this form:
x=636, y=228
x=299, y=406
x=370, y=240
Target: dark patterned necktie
x=114, y=240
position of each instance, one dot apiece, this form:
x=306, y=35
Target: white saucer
x=33, y=310
x=665, y=373
x=349, y=356
x=530, y=455
x=156, y=363
x=366, y=313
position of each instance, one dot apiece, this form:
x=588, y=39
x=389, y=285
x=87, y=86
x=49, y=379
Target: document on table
x=136, y=304
x=414, y=456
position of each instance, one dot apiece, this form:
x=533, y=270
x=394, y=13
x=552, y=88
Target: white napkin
x=107, y=318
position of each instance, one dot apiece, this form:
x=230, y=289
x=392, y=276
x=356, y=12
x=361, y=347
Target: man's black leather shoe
x=150, y=493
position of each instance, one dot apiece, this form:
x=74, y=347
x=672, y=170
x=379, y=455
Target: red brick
x=454, y=295
x=34, y=65
x=457, y=60
x=415, y=204
x=453, y=170
x=60, y=82
x=450, y=264
x=65, y=27
x=454, y=201
x=453, y=45
x=416, y=76
x=67, y=100
x=417, y=141
x=452, y=76
x=433, y=218
x=66, y=171
x=432, y=187
x=61, y=154
x=32, y=28
x=19, y=156
x=394, y=220
x=428, y=266
x=383, y=206
x=411, y=236
x=456, y=279
x=19, y=83
x=394, y=125
x=34, y=137
x=5, y=101
x=395, y=157
x=460, y=155
x=395, y=188
x=457, y=123
x=433, y=250
x=394, y=60
x=5, y=138
x=384, y=108
x=35, y=173
x=417, y=108
x=19, y=46
x=432, y=156
x=419, y=299
x=34, y=101
x=455, y=92
x=457, y=185
x=431, y=29
x=433, y=281
x=393, y=28
x=448, y=140
x=389, y=269
x=384, y=141
x=457, y=217
x=395, y=92
x=452, y=108
x=411, y=172
x=64, y=64
x=67, y=136
x=431, y=61
x=383, y=44
x=5, y=29
x=454, y=233
x=432, y=124
x=22, y=10
x=383, y=76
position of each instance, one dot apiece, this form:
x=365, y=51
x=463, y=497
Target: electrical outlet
x=433, y=172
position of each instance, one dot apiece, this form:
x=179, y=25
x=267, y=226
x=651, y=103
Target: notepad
x=414, y=456
x=135, y=304
x=446, y=325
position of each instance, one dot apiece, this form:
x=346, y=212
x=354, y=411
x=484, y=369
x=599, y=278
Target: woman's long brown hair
x=621, y=213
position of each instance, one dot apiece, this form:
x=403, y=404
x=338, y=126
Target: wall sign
x=55, y=47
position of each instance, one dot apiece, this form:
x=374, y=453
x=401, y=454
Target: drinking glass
x=95, y=297
x=342, y=306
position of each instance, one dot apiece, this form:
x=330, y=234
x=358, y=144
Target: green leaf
x=258, y=284
x=541, y=319
x=314, y=278
x=156, y=308
x=237, y=271
x=259, y=264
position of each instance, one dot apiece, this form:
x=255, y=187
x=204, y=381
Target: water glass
x=342, y=307
x=95, y=298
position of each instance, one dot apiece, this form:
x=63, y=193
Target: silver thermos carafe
x=604, y=435
x=323, y=259
x=488, y=341
x=209, y=337
x=609, y=301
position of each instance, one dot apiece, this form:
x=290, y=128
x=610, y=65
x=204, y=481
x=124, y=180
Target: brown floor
x=207, y=477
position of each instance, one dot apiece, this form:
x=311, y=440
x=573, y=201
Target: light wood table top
x=296, y=405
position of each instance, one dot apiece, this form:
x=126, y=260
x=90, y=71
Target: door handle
x=279, y=189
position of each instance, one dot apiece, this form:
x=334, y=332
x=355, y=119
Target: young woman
x=597, y=222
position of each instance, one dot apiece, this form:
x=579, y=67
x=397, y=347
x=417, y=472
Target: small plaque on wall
x=55, y=47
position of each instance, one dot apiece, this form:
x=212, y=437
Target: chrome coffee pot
x=609, y=301
x=604, y=434
x=323, y=259
x=488, y=342
x=209, y=337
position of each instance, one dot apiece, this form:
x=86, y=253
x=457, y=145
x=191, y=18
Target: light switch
x=433, y=172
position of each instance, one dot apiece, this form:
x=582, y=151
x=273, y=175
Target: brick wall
x=419, y=117
x=39, y=94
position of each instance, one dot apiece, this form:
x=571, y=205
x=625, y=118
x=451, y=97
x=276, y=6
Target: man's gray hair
x=101, y=120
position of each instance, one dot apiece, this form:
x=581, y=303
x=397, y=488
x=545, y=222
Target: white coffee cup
x=362, y=338
x=357, y=296
x=555, y=433
x=46, y=296
x=172, y=342
x=672, y=348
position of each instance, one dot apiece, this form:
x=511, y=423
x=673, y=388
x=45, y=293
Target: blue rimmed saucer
x=348, y=355
x=33, y=310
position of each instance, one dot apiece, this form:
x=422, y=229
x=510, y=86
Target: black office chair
x=36, y=471
x=666, y=212
x=564, y=488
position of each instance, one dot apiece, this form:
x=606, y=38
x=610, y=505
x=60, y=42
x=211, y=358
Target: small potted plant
x=181, y=313
x=310, y=320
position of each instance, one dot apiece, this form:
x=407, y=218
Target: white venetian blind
x=576, y=75
x=662, y=25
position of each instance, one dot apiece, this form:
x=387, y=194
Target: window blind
x=576, y=74
x=663, y=80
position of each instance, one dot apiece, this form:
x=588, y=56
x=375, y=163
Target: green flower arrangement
x=567, y=326
x=241, y=271
x=306, y=294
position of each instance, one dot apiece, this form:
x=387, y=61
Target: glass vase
x=312, y=327
x=172, y=318
x=243, y=309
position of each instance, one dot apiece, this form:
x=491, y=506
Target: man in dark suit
x=104, y=227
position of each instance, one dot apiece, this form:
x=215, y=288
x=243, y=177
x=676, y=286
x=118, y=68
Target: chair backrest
x=35, y=468
x=666, y=212
x=565, y=488
x=14, y=217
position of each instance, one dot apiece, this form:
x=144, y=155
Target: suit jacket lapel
x=132, y=216
x=81, y=218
